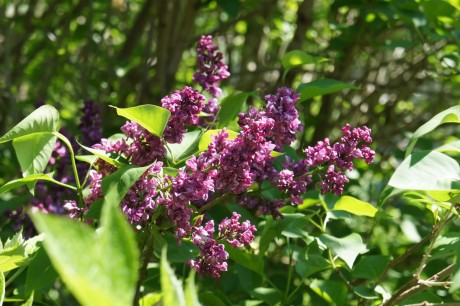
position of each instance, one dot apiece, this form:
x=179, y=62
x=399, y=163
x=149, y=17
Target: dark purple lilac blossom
x=281, y=108
x=185, y=106
x=90, y=124
x=261, y=206
x=235, y=233
x=211, y=68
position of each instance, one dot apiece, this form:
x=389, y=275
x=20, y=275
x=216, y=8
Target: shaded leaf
x=370, y=267
x=321, y=87
x=333, y=292
x=29, y=301
x=151, y=117
x=230, y=108
x=247, y=260
x=40, y=273
x=311, y=265
x=298, y=58
x=186, y=148
x=427, y=170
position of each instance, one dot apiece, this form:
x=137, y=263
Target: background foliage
x=401, y=56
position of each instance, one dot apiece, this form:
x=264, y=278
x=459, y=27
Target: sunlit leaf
x=347, y=248
x=206, y=139
x=151, y=117
x=299, y=58
x=191, y=298
x=28, y=179
x=451, y=115
x=171, y=287
x=333, y=292
x=355, y=206
x=107, y=273
x=104, y=156
x=427, y=170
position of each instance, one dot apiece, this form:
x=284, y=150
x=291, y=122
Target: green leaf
x=311, y=265
x=427, y=170
x=26, y=180
x=370, y=267
x=347, y=248
x=40, y=274
x=451, y=115
x=333, y=292
x=299, y=58
x=29, y=301
x=44, y=119
x=151, y=117
x=104, y=156
x=99, y=267
x=321, y=87
x=270, y=296
x=150, y=299
x=34, y=151
x=231, y=7
x=90, y=159
x=16, y=252
x=191, y=298
x=186, y=148
x=206, y=139
x=365, y=293
x=247, y=260
x=230, y=107
x=171, y=287
x=450, y=147
x=455, y=3
x=355, y=206
x=116, y=185
x=2, y=287
x=210, y=298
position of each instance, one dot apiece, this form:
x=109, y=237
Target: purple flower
x=185, y=106
x=90, y=124
x=235, y=233
x=211, y=68
x=262, y=206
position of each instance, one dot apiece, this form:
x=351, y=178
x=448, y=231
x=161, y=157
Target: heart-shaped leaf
x=347, y=248
x=151, y=117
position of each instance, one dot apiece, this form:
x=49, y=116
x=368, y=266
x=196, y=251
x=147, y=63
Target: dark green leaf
x=333, y=292
x=370, y=267
x=187, y=147
x=311, y=265
x=247, y=260
x=151, y=117
x=321, y=87
x=231, y=7
x=40, y=273
x=365, y=293
x=210, y=298
x=427, y=170
x=270, y=296
x=29, y=301
x=230, y=107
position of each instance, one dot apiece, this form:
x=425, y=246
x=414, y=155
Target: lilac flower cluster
x=90, y=124
x=212, y=258
x=185, y=106
x=333, y=159
x=211, y=68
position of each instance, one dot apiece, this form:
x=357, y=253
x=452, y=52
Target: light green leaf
x=29, y=301
x=370, y=267
x=34, y=151
x=450, y=147
x=321, y=87
x=187, y=147
x=191, y=298
x=44, y=119
x=427, y=170
x=333, y=292
x=16, y=251
x=451, y=115
x=455, y=3
x=2, y=287
x=230, y=107
x=26, y=180
x=347, y=248
x=206, y=139
x=90, y=159
x=299, y=58
x=171, y=287
x=105, y=156
x=107, y=273
x=151, y=117
x=355, y=206
x=150, y=299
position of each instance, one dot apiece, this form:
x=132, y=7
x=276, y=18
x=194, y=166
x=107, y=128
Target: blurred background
x=402, y=55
